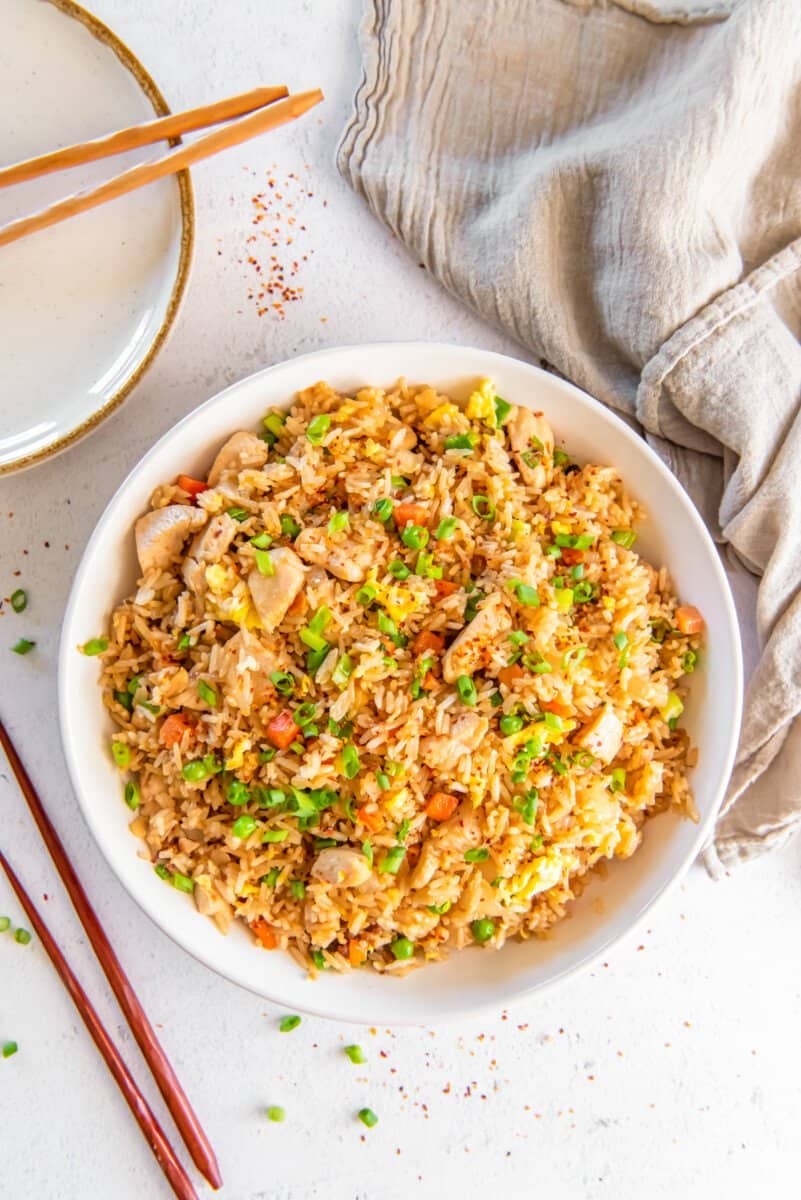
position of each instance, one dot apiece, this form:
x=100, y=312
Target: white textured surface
x=673, y=1071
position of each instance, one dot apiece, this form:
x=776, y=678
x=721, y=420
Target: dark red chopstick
x=145, y=1117
x=174, y=1096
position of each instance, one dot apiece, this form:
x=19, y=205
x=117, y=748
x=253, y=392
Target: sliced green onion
x=560, y=458
x=577, y=572
x=471, y=607
x=425, y=566
x=289, y=526
x=275, y=1113
x=414, y=536
x=19, y=600
x=318, y=958
x=305, y=713
x=390, y=663
x=90, y=649
x=274, y=424
x=382, y=509
x=621, y=639
x=467, y=690
x=572, y=657
x=298, y=888
x=342, y=671
x=553, y=551
x=132, y=794
x=394, y=768
x=439, y=909
x=316, y=658
x=184, y=642
x=22, y=936
x=271, y=878
x=238, y=514
x=367, y=851
x=688, y=662
x=536, y=843
x=264, y=563
x=271, y=836
x=402, y=949
x=617, y=780
x=244, y=826
x=315, y=641
x=5, y=924
x=403, y=831
x=502, y=410
x=162, y=872
x=121, y=753
x=526, y=595
x=673, y=709
x=287, y=1024
x=317, y=428
x=446, y=529
x=391, y=862
x=518, y=638
x=399, y=481
x=496, y=699
x=10, y=1048
x=351, y=763
x=368, y=1117
x=268, y=754
x=207, y=693
x=584, y=592
x=527, y=805
x=367, y=594
x=261, y=541
x=355, y=1054
x=283, y=682
x=537, y=664
x=398, y=569
x=482, y=929
x=624, y=537
x=338, y=522
x=323, y=843
x=480, y=854
x=124, y=700
x=382, y=780
x=183, y=883
x=388, y=626
x=461, y=441
x=553, y=721
x=483, y=507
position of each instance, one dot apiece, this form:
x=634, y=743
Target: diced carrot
x=369, y=815
x=193, y=486
x=298, y=606
x=556, y=707
x=689, y=619
x=445, y=587
x=265, y=933
x=407, y=513
x=282, y=730
x=173, y=729
x=356, y=953
x=571, y=556
x=508, y=675
x=441, y=806
x=426, y=640
x=430, y=682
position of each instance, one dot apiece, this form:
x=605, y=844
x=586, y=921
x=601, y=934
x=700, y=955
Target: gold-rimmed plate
x=86, y=305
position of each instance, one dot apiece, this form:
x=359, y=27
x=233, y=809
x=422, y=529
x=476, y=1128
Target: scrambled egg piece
x=481, y=404
x=232, y=599
x=442, y=416
x=540, y=875
x=398, y=601
x=237, y=754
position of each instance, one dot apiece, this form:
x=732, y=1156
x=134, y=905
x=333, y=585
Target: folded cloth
x=617, y=185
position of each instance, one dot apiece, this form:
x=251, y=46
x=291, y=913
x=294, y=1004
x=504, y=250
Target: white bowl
x=673, y=534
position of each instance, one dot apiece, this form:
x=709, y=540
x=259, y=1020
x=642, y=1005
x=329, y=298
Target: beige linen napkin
x=618, y=186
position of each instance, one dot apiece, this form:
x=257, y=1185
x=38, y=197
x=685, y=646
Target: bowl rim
x=510, y=991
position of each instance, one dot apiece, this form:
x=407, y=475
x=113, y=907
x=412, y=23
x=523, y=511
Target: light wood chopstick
x=146, y=1119
x=174, y=1096
x=159, y=130
x=232, y=134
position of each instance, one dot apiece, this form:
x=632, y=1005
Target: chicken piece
x=273, y=594
x=161, y=533
x=426, y=867
x=469, y=649
x=210, y=545
x=462, y=832
x=347, y=559
x=644, y=785
x=442, y=753
x=341, y=867
x=531, y=435
x=240, y=451
x=603, y=735
x=210, y=903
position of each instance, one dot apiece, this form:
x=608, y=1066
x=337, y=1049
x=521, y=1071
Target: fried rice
x=394, y=678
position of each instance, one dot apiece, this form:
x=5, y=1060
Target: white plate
x=673, y=534
x=84, y=306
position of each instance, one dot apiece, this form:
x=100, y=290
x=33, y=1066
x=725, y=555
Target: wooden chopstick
x=159, y=130
x=174, y=1096
x=145, y=1117
x=231, y=134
